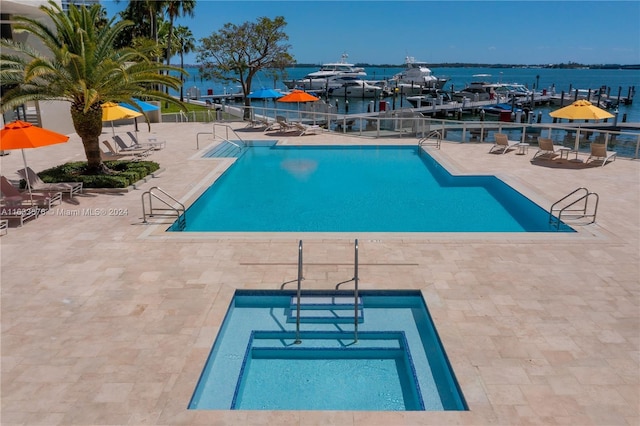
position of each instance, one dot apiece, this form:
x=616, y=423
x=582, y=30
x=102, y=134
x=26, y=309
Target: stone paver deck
x=106, y=320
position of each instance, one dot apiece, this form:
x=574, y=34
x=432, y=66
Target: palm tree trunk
x=88, y=126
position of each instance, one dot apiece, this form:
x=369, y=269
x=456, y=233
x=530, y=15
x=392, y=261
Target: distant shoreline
x=470, y=65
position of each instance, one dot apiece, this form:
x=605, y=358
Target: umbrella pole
x=26, y=173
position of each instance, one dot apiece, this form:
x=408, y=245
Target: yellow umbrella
x=112, y=111
x=581, y=110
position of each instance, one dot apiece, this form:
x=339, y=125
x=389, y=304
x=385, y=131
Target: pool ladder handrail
x=582, y=212
x=180, y=211
x=225, y=139
x=427, y=140
x=227, y=127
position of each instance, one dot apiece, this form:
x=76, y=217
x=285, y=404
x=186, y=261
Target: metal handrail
x=355, y=279
x=582, y=211
x=227, y=135
x=434, y=134
x=298, y=341
x=150, y=194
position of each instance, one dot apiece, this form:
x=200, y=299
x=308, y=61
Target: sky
x=385, y=32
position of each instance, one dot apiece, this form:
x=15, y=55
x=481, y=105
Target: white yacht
x=358, y=89
x=325, y=78
x=415, y=77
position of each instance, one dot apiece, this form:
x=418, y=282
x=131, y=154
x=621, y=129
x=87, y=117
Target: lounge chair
x=599, y=152
x=503, y=143
x=306, y=129
x=282, y=125
x=12, y=197
x=123, y=147
x=152, y=143
x=37, y=185
x=22, y=214
x=548, y=149
x=112, y=154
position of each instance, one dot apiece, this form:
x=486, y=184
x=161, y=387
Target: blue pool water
x=397, y=364
x=358, y=189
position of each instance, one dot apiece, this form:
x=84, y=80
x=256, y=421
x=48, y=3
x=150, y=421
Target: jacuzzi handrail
x=298, y=341
x=355, y=303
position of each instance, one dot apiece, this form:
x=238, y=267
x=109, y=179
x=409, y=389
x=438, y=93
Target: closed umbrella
x=581, y=110
x=20, y=135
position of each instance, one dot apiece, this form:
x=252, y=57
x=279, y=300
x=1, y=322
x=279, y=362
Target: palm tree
x=186, y=44
x=175, y=9
x=81, y=67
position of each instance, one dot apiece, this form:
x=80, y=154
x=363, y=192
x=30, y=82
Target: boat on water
x=356, y=88
x=415, y=77
x=500, y=109
x=327, y=76
x=429, y=97
x=478, y=90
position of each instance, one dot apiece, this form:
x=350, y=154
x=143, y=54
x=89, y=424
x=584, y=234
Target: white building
x=53, y=115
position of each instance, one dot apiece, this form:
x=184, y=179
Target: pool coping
x=588, y=231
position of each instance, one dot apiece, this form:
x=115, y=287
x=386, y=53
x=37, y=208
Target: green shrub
x=125, y=173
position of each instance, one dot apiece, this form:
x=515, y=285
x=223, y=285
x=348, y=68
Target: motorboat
x=358, y=89
x=479, y=90
x=325, y=78
x=428, y=98
x=513, y=90
x=415, y=77
x=499, y=109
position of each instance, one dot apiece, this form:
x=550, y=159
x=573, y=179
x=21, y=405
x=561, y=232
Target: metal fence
x=406, y=123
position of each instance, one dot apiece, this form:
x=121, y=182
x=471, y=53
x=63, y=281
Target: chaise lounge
x=548, y=149
x=599, y=152
x=502, y=143
x=38, y=185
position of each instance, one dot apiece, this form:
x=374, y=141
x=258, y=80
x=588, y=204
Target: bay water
x=616, y=80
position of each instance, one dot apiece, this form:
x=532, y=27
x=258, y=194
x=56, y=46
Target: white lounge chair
x=599, y=152
x=112, y=154
x=152, y=143
x=38, y=185
x=306, y=129
x=503, y=143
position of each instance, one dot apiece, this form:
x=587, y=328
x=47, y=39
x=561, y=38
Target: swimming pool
x=357, y=189
x=397, y=364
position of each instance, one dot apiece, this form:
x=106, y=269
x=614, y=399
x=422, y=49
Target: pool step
x=392, y=340
x=325, y=309
x=225, y=150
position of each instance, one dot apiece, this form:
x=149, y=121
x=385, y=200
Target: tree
x=81, y=67
x=185, y=43
x=237, y=52
x=175, y=9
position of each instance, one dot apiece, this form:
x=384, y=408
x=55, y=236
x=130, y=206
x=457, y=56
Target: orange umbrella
x=298, y=96
x=20, y=135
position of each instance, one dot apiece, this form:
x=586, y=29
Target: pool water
x=396, y=364
x=357, y=189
